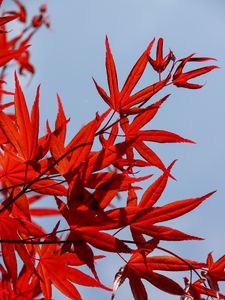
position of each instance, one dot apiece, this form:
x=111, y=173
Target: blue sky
x=73, y=51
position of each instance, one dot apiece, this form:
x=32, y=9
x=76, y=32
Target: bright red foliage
x=84, y=180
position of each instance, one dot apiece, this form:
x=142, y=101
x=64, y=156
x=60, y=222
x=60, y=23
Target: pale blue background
x=69, y=55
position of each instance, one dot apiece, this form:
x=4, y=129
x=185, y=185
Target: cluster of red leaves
x=17, y=47
x=84, y=177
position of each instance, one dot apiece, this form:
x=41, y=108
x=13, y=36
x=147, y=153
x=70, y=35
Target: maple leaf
x=24, y=134
x=198, y=288
x=160, y=136
x=16, y=172
x=160, y=63
x=11, y=231
x=144, y=221
x=27, y=286
x=135, y=271
x=122, y=101
x=76, y=153
x=215, y=272
x=82, y=229
x=180, y=78
x=51, y=261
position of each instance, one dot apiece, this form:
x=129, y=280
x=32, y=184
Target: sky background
x=73, y=51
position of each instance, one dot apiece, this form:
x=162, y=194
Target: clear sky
x=73, y=51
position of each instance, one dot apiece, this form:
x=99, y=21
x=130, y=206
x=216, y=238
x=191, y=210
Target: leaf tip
x=107, y=42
